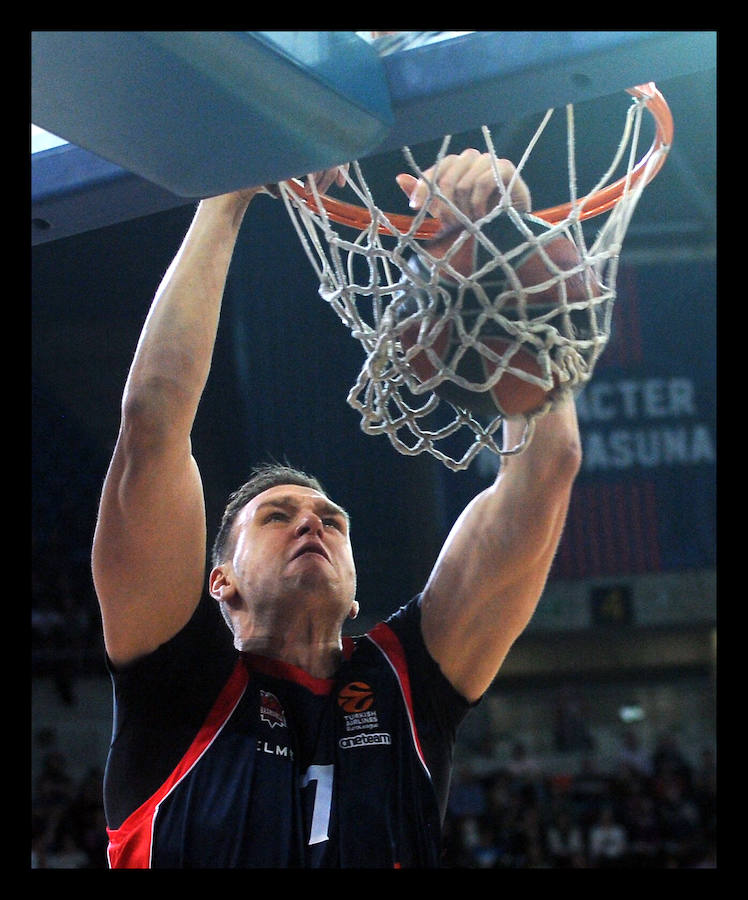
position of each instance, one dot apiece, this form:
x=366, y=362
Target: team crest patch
x=271, y=710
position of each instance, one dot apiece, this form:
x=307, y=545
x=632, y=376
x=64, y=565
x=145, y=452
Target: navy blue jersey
x=281, y=769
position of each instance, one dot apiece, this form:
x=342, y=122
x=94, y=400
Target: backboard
x=153, y=120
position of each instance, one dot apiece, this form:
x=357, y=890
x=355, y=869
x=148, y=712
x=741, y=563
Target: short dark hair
x=262, y=477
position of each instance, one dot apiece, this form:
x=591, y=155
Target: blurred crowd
x=647, y=810
x=68, y=828
x=652, y=810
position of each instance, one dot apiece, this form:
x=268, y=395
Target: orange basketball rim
x=593, y=205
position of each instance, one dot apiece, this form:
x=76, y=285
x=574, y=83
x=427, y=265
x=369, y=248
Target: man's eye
x=334, y=523
x=276, y=517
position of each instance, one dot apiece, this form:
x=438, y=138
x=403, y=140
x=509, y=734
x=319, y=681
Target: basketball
x=512, y=395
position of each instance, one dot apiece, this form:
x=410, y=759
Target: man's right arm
x=150, y=540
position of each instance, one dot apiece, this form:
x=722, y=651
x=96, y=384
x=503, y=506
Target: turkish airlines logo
x=356, y=700
x=355, y=697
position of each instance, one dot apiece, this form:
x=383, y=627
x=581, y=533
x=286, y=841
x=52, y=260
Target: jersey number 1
x=322, y=775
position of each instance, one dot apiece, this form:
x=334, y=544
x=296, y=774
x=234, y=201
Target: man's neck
x=311, y=647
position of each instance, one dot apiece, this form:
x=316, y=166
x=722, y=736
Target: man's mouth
x=311, y=548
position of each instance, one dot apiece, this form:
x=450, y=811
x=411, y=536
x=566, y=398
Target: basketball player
x=275, y=742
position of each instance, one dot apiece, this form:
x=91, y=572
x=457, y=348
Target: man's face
x=291, y=542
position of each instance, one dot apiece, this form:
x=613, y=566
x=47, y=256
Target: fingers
x=328, y=177
x=471, y=182
x=408, y=186
x=520, y=197
x=342, y=172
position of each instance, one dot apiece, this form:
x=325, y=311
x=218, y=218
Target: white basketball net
x=365, y=276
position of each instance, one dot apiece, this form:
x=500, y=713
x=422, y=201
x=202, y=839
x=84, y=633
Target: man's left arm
x=492, y=570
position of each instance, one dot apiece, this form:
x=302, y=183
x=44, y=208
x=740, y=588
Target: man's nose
x=309, y=523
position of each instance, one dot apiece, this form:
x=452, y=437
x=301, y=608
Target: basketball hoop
x=593, y=205
x=449, y=356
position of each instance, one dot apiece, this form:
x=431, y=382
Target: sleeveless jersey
x=287, y=770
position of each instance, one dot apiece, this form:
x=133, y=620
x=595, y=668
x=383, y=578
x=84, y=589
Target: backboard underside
x=154, y=120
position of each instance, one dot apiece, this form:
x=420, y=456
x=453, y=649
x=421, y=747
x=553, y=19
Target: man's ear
x=220, y=584
x=353, y=612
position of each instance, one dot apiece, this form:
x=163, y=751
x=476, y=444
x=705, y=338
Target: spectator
x=590, y=791
x=633, y=758
x=66, y=854
x=521, y=765
x=608, y=841
x=645, y=838
x=527, y=773
x=54, y=787
x=467, y=796
x=679, y=822
x=565, y=842
x=86, y=820
x=570, y=731
x=525, y=837
x=705, y=793
x=668, y=759
x=483, y=851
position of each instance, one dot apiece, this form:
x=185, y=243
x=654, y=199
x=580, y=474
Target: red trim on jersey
x=130, y=845
x=389, y=643
x=276, y=668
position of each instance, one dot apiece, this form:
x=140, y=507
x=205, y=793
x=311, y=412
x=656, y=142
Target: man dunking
x=289, y=745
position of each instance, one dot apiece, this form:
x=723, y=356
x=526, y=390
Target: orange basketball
x=511, y=395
